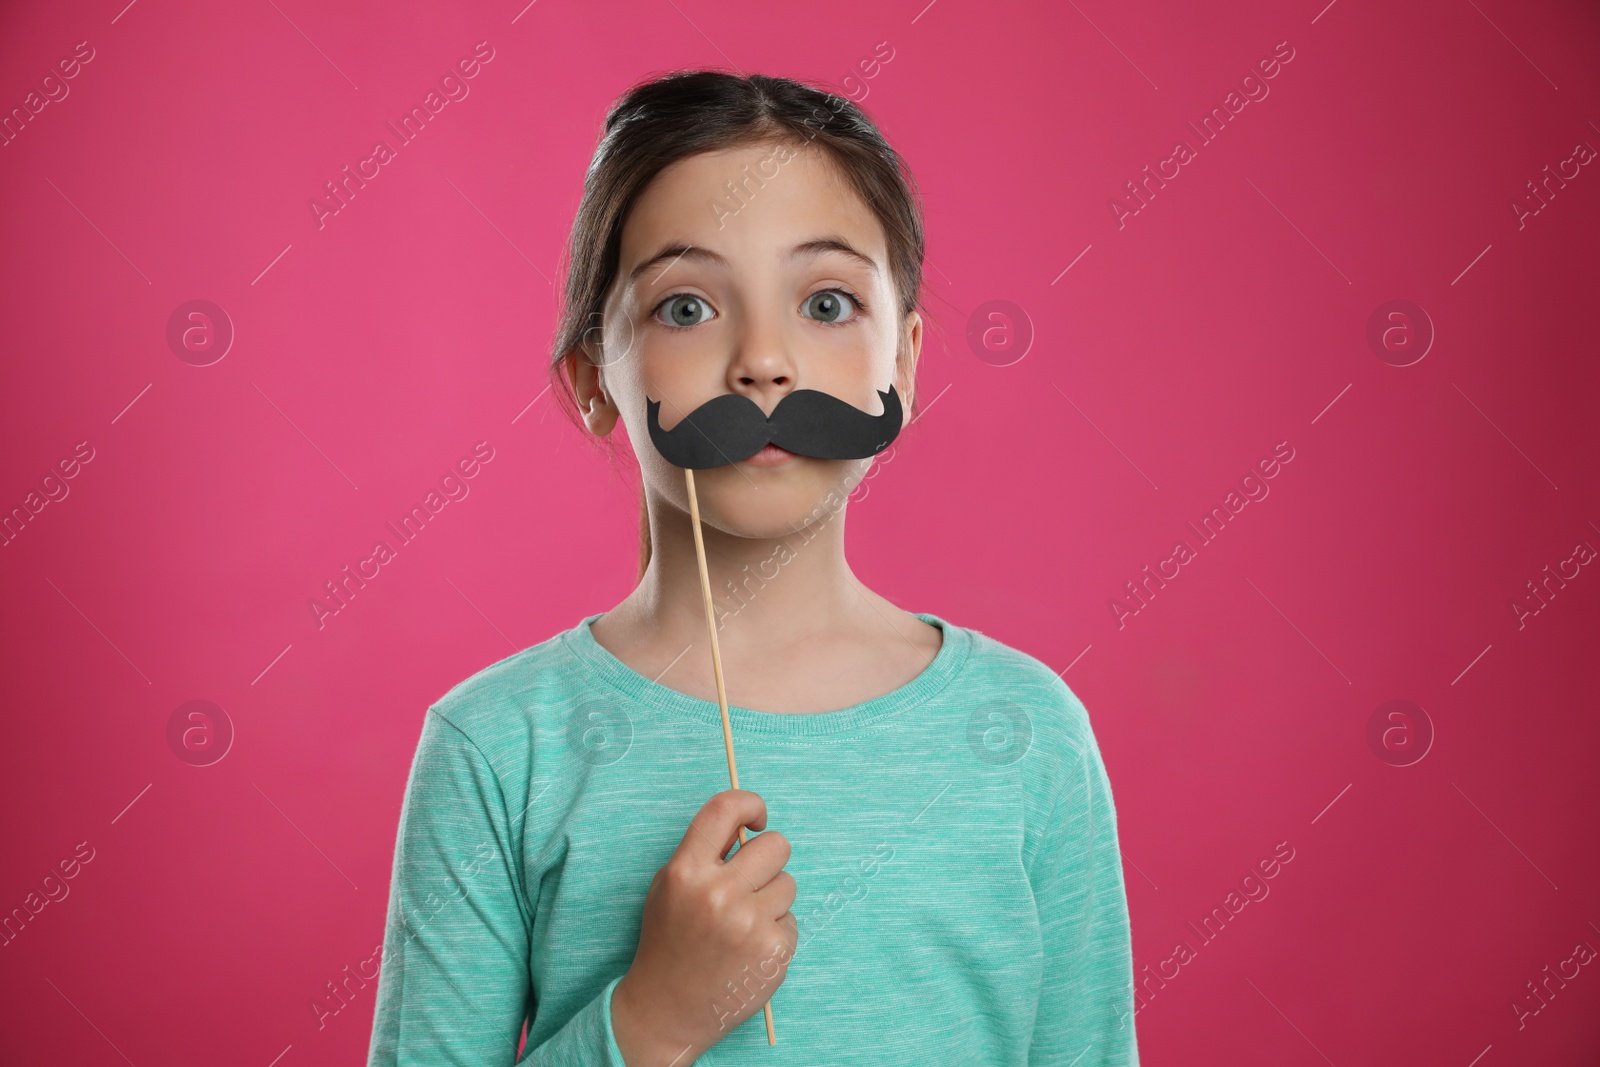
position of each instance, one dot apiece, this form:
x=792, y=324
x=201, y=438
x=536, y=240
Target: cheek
x=885, y=349
x=618, y=328
x=659, y=369
x=824, y=488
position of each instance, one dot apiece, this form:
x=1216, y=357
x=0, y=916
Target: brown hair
x=668, y=118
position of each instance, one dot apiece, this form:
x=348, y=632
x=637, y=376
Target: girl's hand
x=716, y=939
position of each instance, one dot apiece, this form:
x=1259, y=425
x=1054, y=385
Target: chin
x=782, y=501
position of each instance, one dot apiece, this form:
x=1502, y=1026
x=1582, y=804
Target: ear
x=906, y=364
x=599, y=411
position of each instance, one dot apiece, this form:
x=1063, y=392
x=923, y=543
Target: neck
x=766, y=593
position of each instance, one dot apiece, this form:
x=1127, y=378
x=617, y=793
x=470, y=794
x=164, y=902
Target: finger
x=776, y=898
x=785, y=932
x=760, y=858
x=715, y=827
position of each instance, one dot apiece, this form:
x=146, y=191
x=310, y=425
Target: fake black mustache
x=732, y=427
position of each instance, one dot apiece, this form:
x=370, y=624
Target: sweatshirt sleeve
x=1085, y=1014
x=454, y=983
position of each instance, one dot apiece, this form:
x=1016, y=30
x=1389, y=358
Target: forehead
x=783, y=204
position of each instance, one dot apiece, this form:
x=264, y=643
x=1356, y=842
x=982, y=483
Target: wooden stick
x=716, y=666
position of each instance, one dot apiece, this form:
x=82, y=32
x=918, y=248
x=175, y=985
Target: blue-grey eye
x=830, y=306
x=686, y=309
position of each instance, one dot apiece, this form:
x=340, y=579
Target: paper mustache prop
x=732, y=427
x=729, y=428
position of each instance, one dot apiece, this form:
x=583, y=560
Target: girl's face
x=789, y=290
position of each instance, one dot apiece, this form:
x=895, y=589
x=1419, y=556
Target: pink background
x=1229, y=314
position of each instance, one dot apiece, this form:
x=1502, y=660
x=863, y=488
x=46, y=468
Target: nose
x=762, y=368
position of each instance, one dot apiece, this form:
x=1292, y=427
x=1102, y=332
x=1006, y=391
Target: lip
x=771, y=456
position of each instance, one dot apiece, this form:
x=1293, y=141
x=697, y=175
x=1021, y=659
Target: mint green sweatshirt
x=954, y=846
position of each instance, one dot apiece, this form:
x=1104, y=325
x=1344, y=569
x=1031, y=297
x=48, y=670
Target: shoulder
x=1018, y=686
x=1060, y=771
x=499, y=706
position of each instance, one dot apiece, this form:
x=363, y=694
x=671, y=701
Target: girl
x=941, y=883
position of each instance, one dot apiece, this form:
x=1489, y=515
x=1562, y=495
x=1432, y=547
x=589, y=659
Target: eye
x=830, y=309
x=686, y=309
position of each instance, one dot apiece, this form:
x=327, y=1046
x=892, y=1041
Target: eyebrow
x=677, y=250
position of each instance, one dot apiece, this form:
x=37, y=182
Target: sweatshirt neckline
x=946, y=663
